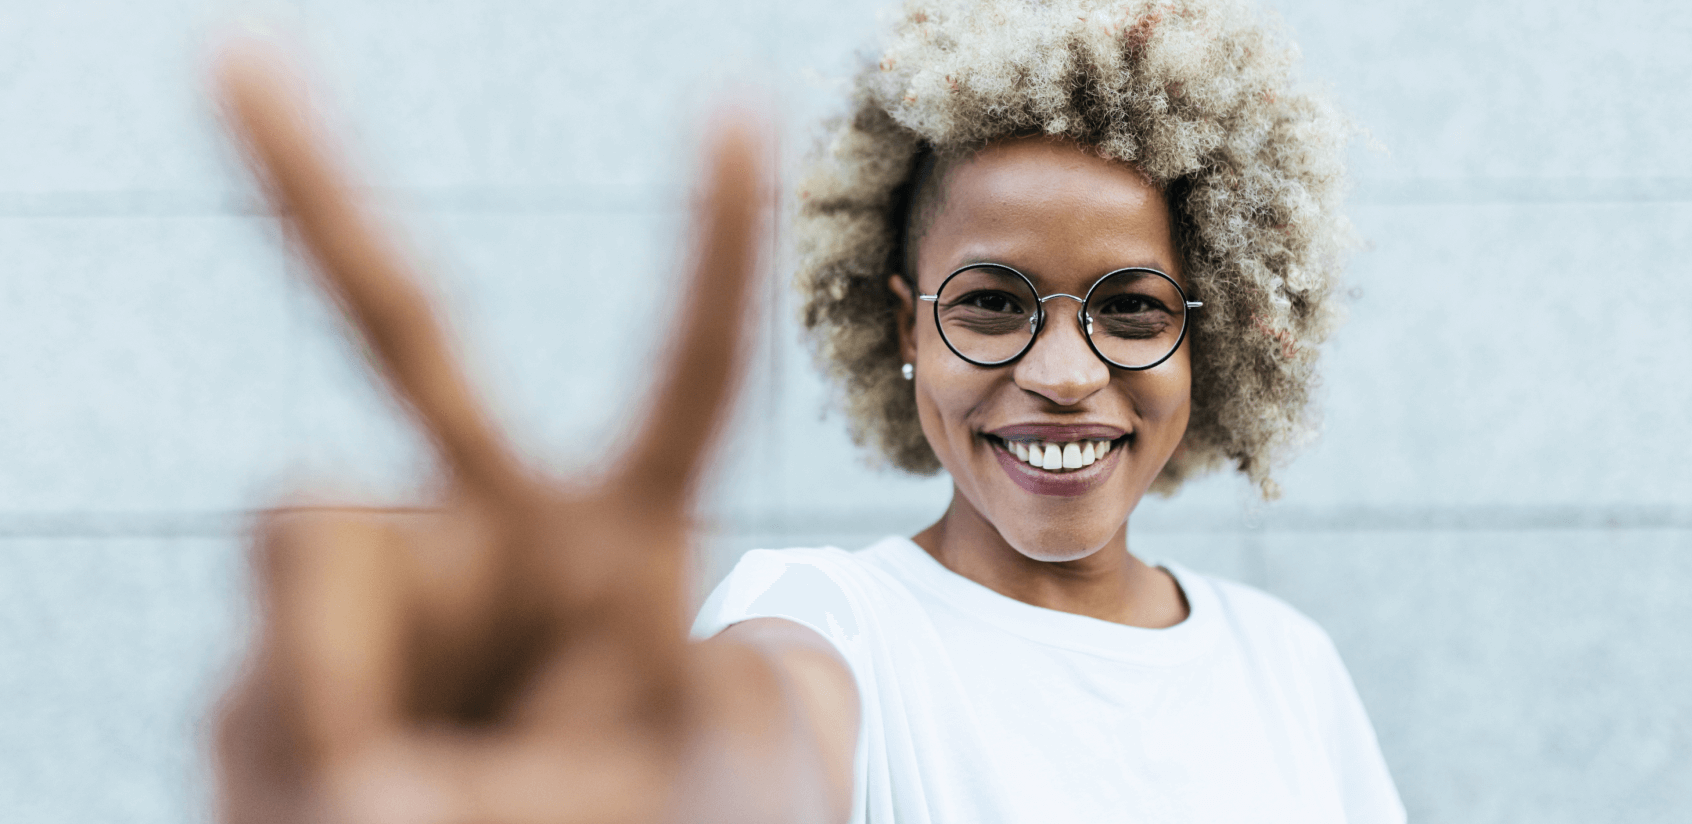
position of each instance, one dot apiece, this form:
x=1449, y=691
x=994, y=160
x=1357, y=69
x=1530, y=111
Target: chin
x=1059, y=542
x=1056, y=529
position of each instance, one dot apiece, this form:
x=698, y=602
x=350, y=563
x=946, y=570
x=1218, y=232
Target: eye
x=1132, y=316
x=1133, y=304
x=991, y=301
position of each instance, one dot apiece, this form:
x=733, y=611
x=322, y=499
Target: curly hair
x=1198, y=95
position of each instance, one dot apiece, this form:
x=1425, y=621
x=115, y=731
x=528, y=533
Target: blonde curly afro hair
x=1196, y=94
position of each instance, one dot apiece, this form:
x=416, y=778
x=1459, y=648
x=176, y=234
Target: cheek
x=1164, y=396
x=949, y=392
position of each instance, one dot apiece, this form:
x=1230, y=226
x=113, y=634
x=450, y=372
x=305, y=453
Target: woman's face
x=1064, y=217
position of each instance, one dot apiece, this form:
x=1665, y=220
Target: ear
x=905, y=311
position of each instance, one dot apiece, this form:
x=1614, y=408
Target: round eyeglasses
x=989, y=315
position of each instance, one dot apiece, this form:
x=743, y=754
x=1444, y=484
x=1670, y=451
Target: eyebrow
x=1035, y=275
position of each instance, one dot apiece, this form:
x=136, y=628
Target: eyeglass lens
x=1134, y=318
x=987, y=314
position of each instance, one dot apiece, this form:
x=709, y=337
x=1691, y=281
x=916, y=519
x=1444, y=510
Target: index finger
x=268, y=113
x=694, y=389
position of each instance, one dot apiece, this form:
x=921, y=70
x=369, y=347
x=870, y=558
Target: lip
x=1060, y=484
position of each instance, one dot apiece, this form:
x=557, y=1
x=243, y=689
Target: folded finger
x=335, y=630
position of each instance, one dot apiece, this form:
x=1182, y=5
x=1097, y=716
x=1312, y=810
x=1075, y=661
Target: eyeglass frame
x=1080, y=314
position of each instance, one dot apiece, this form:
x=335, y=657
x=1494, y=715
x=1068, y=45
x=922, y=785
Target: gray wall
x=1496, y=527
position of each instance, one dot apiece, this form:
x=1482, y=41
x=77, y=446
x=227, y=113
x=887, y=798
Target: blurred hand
x=516, y=651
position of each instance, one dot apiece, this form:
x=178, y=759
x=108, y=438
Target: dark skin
x=514, y=650
x=1064, y=216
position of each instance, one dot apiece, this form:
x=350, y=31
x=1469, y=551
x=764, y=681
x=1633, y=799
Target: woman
x=1069, y=252
x=1004, y=247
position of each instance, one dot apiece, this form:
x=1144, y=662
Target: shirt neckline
x=1155, y=647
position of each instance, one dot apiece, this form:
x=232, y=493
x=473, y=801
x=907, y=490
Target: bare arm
x=513, y=651
x=823, y=695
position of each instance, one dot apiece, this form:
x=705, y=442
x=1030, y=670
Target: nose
x=1061, y=366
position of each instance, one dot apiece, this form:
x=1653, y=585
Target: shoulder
x=1248, y=602
x=824, y=588
x=1262, y=621
x=1300, y=660
x=829, y=560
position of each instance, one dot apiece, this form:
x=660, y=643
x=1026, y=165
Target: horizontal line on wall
x=123, y=524
x=1522, y=190
x=1289, y=519
x=522, y=200
x=539, y=200
x=126, y=204
x=1266, y=519
x=495, y=200
x=1427, y=519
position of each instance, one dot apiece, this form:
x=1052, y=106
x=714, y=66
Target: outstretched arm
x=515, y=651
x=824, y=698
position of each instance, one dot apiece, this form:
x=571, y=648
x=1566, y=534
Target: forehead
x=1052, y=209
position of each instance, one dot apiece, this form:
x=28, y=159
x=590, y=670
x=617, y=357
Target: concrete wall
x=1496, y=527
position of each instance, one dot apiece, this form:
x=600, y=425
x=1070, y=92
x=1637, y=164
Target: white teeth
x=1058, y=456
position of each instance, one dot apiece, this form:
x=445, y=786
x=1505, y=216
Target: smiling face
x=1064, y=217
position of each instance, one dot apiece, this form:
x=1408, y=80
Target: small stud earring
x=908, y=371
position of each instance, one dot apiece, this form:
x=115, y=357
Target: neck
x=1109, y=584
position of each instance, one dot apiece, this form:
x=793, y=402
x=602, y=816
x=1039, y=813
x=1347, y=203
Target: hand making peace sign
x=515, y=652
